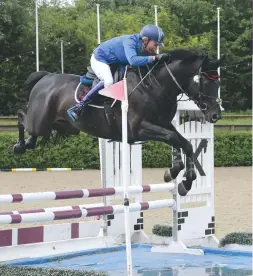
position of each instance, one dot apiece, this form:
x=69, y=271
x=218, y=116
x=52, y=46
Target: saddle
x=88, y=81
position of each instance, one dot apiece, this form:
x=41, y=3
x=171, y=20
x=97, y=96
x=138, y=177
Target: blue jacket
x=124, y=49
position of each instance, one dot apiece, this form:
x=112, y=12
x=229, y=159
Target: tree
x=186, y=24
x=14, y=16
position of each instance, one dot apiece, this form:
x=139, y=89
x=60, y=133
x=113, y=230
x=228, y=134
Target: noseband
x=199, y=99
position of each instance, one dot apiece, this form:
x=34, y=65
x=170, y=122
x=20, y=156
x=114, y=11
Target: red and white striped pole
x=70, y=213
x=85, y=193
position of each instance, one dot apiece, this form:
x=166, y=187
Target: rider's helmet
x=153, y=32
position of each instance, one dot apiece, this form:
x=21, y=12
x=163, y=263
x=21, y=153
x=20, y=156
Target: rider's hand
x=162, y=57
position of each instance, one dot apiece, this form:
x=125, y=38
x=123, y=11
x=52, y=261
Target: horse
x=153, y=99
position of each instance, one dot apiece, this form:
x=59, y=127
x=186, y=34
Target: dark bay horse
x=153, y=93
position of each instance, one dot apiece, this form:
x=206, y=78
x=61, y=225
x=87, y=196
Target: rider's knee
x=108, y=81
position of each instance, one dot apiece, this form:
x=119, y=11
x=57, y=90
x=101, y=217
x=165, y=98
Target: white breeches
x=102, y=70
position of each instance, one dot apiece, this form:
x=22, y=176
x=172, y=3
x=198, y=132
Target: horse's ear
x=219, y=62
x=205, y=62
x=212, y=65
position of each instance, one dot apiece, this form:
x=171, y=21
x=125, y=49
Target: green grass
x=241, y=112
x=8, y=122
x=221, y=122
x=235, y=122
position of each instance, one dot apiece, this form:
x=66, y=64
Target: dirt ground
x=233, y=195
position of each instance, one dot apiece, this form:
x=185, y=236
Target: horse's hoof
x=18, y=149
x=29, y=144
x=181, y=189
x=194, y=176
x=167, y=176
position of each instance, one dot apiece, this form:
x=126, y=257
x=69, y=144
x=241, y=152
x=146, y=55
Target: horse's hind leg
x=30, y=143
x=23, y=144
x=19, y=147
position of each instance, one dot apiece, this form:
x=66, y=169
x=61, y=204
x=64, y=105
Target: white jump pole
x=62, y=62
x=37, y=36
x=218, y=41
x=156, y=23
x=102, y=142
x=218, y=49
x=126, y=177
x=98, y=23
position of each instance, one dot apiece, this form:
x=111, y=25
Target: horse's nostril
x=215, y=117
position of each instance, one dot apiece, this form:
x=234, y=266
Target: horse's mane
x=186, y=54
x=183, y=54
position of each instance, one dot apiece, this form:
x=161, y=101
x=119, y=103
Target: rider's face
x=151, y=46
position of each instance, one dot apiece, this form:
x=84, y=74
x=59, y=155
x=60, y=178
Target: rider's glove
x=162, y=57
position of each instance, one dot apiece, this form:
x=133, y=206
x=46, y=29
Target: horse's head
x=195, y=74
x=203, y=89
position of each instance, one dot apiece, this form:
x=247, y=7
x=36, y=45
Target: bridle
x=199, y=98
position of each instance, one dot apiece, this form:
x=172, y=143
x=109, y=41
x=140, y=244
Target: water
x=147, y=263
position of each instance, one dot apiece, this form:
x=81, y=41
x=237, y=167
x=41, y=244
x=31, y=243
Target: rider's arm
x=132, y=56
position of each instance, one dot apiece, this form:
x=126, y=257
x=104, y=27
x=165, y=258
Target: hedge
x=81, y=151
x=242, y=238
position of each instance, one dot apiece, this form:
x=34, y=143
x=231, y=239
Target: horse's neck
x=161, y=83
x=173, y=84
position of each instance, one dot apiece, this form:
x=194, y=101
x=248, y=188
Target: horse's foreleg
x=177, y=165
x=185, y=186
x=172, y=137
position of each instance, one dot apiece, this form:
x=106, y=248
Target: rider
x=127, y=50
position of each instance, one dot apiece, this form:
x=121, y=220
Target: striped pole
x=87, y=212
x=86, y=193
x=53, y=209
x=41, y=169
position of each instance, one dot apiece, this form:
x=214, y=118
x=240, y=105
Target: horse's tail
x=31, y=81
